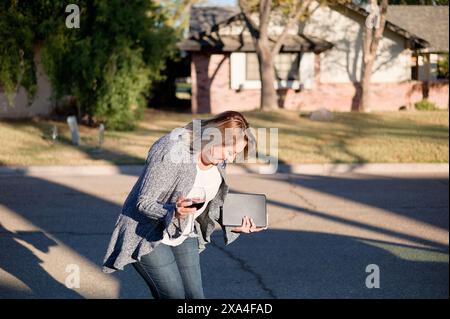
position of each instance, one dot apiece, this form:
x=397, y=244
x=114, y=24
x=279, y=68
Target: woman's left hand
x=248, y=226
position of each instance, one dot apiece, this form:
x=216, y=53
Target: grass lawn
x=390, y=137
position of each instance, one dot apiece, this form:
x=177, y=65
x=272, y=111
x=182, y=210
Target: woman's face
x=219, y=153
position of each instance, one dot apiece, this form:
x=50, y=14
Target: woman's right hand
x=181, y=209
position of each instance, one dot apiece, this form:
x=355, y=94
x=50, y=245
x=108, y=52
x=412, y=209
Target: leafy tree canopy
x=108, y=64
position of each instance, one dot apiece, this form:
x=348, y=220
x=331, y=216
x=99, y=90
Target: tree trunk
x=364, y=105
x=373, y=33
x=266, y=55
x=367, y=65
x=267, y=75
x=427, y=70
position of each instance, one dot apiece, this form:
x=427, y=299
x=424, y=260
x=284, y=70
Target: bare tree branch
x=379, y=31
x=371, y=40
x=178, y=11
x=292, y=21
x=264, y=17
x=251, y=25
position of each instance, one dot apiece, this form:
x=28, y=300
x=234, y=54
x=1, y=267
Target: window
x=286, y=66
x=251, y=67
x=295, y=71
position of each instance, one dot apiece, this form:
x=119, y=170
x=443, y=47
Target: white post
x=72, y=121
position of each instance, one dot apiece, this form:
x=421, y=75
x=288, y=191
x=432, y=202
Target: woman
x=156, y=231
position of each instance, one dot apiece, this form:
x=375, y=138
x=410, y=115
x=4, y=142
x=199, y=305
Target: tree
x=264, y=52
x=108, y=64
x=291, y=11
x=373, y=32
x=17, y=66
x=177, y=13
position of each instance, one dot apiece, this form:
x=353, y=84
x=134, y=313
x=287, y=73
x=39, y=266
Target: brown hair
x=222, y=122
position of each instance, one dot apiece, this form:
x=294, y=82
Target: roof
x=428, y=22
x=233, y=43
x=202, y=18
x=415, y=41
x=205, y=19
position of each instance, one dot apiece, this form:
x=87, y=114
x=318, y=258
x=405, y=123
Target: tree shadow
x=428, y=198
x=336, y=145
x=87, y=145
x=25, y=266
x=302, y=264
x=305, y=263
x=202, y=62
x=424, y=195
x=347, y=52
x=81, y=221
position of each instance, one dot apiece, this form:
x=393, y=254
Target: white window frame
x=238, y=72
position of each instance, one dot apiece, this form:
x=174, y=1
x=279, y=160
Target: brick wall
x=211, y=91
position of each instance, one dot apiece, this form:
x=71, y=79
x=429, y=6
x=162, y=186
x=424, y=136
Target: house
x=23, y=107
x=417, y=20
x=319, y=64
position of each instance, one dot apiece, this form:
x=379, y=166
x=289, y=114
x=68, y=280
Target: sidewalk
x=234, y=169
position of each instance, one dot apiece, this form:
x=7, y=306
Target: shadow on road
x=299, y=264
x=390, y=193
x=24, y=265
x=279, y=263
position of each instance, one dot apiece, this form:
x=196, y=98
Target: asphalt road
x=323, y=233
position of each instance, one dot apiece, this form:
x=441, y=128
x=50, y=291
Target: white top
x=210, y=180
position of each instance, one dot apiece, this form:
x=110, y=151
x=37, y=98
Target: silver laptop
x=238, y=205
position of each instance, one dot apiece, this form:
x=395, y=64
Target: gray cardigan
x=150, y=206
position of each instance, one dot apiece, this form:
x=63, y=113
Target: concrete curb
x=328, y=169
x=70, y=170
x=233, y=169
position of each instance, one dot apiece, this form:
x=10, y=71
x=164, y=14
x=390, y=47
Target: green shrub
x=425, y=105
x=108, y=65
x=442, y=65
x=17, y=66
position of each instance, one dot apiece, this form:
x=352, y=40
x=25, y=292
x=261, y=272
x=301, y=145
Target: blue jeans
x=173, y=272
